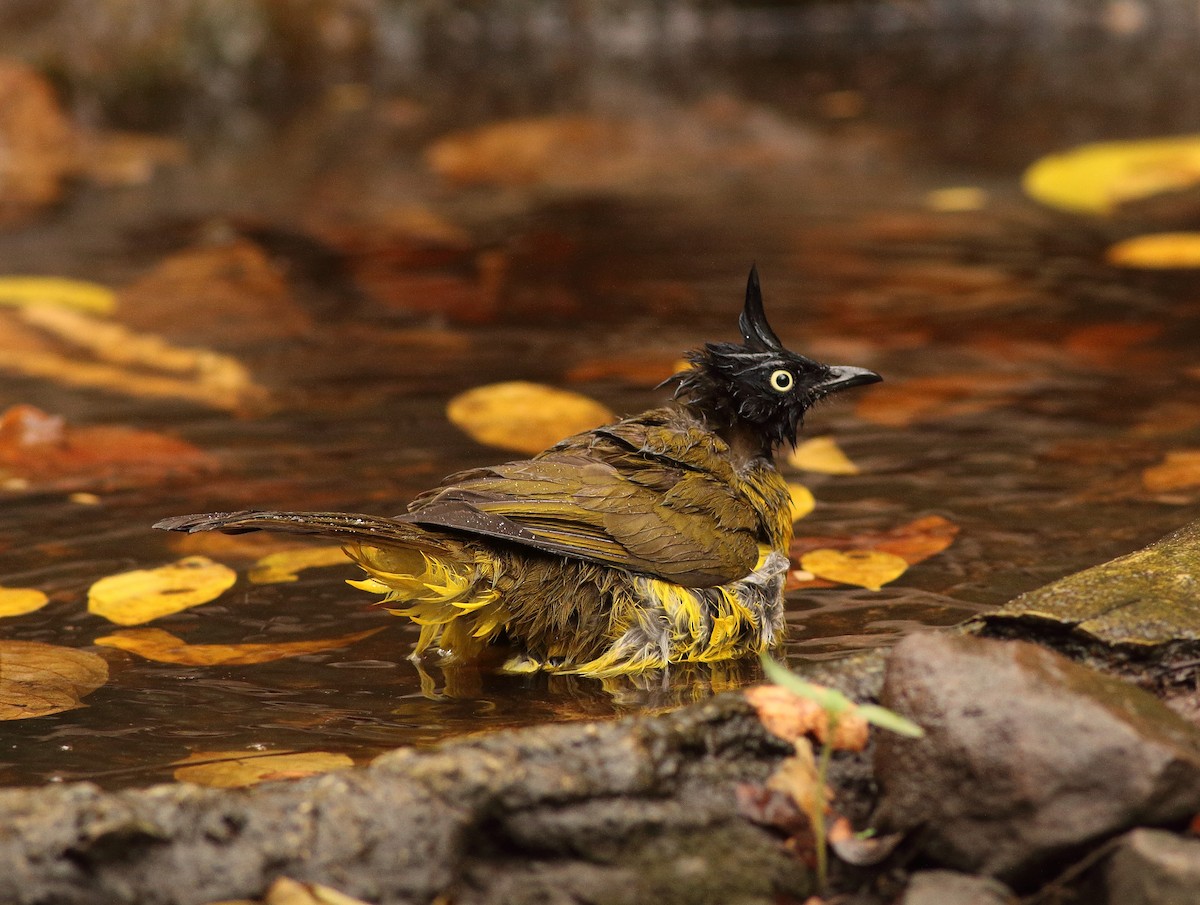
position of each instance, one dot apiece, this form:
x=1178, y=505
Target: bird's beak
x=842, y=377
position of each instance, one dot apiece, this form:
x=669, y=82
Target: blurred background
x=251, y=251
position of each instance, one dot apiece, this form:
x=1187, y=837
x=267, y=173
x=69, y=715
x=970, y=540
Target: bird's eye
x=782, y=380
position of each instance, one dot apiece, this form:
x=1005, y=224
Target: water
x=1039, y=466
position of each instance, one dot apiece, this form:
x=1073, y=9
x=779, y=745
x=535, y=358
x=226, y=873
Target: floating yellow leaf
x=39, y=679
x=285, y=891
x=802, y=500
x=58, y=292
x=235, y=769
x=1180, y=470
x=957, y=199
x=526, y=417
x=1095, y=178
x=285, y=565
x=1157, y=251
x=823, y=455
x=19, y=601
x=131, y=598
x=866, y=568
x=163, y=647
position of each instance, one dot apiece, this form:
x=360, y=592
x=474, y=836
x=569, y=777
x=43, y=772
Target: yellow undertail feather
x=436, y=594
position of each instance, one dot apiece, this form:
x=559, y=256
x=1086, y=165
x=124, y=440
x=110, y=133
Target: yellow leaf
x=56, y=291
x=1157, y=251
x=526, y=417
x=19, y=601
x=163, y=647
x=956, y=199
x=131, y=598
x=802, y=500
x=870, y=569
x=1095, y=178
x=823, y=455
x=39, y=679
x=285, y=565
x=285, y=891
x=235, y=769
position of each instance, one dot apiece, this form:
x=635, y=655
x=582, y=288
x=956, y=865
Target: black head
x=760, y=383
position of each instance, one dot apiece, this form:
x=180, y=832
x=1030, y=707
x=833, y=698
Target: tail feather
x=369, y=529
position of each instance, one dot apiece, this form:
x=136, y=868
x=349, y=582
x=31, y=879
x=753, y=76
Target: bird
x=659, y=538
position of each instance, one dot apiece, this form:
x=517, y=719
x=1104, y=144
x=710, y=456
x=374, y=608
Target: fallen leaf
x=792, y=717
x=526, y=417
x=131, y=598
x=163, y=647
x=802, y=500
x=1112, y=345
x=636, y=370
x=19, y=601
x=901, y=403
x=913, y=542
x=57, y=292
x=44, y=451
x=957, y=199
x=870, y=569
x=1096, y=178
x=39, y=679
x=285, y=891
x=286, y=565
x=127, y=158
x=1157, y=251
x=822, y=455
x=1180, y=470
x=236, y=769
x=38, y=141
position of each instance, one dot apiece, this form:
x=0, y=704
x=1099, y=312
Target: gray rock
x=1153, y=867
x=1028, y=757
x=947, y=887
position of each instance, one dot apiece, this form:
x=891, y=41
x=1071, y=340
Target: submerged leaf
x=19, y=601
x=1180, y=470
x=1157, y=251
x=1096, y=178
x=57, y=291
x=163, y=647
x=39, y=679
x=522, y=416
x=285, y=565
x=901, y=403
x=870, y=569
x=131, y=598
x=236, y=769
x=822, y=455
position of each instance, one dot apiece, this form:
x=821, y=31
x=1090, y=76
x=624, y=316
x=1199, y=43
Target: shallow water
x=1038, y=460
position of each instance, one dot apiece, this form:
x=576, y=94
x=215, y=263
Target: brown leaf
x=127, y=158
x=636, y=370
x=1180, y=470
x=163, y=647
x=39, y=679
x=913, y=542
x=38, y=142
x=43, y=450
x=901, y=403
x=237, y=769
x=792, y=717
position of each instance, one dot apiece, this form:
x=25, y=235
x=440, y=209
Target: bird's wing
x=644, y=494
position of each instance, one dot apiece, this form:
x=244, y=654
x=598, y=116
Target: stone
x=948, y=887
x=1028, y=758
x=1152, y=867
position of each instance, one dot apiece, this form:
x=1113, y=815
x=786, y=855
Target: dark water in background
x=855, y=267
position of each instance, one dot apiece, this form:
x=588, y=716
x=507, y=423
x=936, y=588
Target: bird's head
x=760, y=384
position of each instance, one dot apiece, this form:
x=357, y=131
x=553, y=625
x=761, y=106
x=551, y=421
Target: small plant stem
x=818, y=812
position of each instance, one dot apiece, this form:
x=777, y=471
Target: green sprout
x=836, y=705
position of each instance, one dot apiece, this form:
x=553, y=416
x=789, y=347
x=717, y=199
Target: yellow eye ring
x=782, y=380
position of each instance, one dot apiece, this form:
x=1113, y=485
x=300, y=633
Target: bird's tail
x=343, y=526
x=445, y=586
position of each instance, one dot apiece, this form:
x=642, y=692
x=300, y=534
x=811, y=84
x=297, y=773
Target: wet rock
x=638, y=810
x=947, y=887
x=1028, y=757
x=1135, y=607
x=1152, y=867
